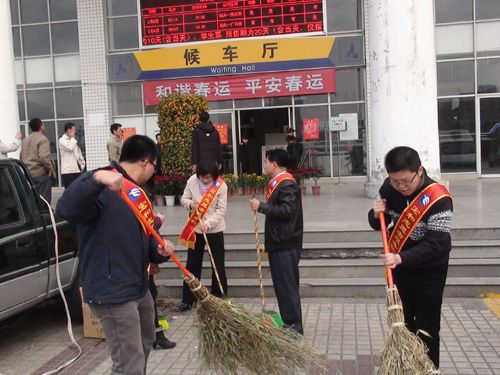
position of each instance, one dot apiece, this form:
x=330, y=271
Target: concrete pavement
x=349, y=332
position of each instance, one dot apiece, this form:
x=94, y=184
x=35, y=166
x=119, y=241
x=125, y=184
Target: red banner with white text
x=303, y=82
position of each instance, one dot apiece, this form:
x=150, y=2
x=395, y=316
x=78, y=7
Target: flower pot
x=260, y=191
x=246, y=190
x=303, y=190
x=170, y=200
x=159, y=200
x=315, y=189
x=253, y=190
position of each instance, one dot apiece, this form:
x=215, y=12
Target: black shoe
x=162, y=342
x=185, y=307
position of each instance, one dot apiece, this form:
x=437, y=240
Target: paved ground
x=349, y=332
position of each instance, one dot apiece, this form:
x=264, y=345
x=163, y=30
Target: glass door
x=224, y=123
x=489, y=112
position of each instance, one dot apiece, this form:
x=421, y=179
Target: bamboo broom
x=231, y=338
x=403, y=353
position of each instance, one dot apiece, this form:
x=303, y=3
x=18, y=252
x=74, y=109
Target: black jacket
x=205, y=144
x=114, y=250
x=428, y=249
x=284, y=226
x=294, y=150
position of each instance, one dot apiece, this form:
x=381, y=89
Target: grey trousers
x=44, y=186
x=130, y=332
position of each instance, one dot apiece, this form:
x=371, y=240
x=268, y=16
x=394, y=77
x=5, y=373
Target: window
x=10, y=208
x=36, y=40
x=33, y=11
x=61, y=10
x=453, y=11
x=455, y=78
x=65, y=37
x=343, y=15
x=457, y=147
x=40, y=104
x=487, y=9
x=123, y=33
x=454, y=41
x=127, y=99
x=488, y=75
x=349, y=85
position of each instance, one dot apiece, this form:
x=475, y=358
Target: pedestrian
x=6, y=148
x=205, y=193
x=418, y=212
x=158, y=171
x=35, y=153
x=115, y=251
x=244, y=154
x=283, y=234
x=72, y=161
x=205, y=143
x=293, y=148
x=115, y=142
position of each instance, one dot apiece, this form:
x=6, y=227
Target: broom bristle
x=231, y=338
x=404, y=353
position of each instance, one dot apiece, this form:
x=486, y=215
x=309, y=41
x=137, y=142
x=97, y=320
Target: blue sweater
x=114, y=251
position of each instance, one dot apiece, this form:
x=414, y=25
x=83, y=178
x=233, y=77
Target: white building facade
x=421, y=73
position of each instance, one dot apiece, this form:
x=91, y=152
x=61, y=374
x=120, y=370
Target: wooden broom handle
x=383, y=228
x=151, y=230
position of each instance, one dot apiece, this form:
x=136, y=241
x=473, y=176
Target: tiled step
x=339, y=268
x=338, y=287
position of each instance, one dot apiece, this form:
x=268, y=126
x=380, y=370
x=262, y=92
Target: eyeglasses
x=153, y=164
x=404, y=182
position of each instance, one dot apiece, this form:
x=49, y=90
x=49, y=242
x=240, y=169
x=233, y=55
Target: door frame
x=478, y=134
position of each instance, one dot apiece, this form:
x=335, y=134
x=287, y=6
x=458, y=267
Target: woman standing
x=205, y=195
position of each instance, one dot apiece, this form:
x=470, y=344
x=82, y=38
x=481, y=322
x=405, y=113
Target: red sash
x=412, y=214
x=187, y=237
x=140, y=200
x=273, y=184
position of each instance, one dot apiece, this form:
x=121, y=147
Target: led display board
x=165, y=22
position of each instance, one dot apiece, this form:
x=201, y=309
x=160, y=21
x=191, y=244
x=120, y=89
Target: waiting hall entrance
x=262, y=127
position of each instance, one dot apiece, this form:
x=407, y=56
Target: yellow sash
x=412, y=214
x=273, y=184
x=188, y=237
x=140, y=200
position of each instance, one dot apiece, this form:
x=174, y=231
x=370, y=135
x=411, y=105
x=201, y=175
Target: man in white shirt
x=72, y=161
x=5, y=148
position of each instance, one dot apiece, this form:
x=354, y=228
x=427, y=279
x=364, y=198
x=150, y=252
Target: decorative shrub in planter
x=245, y=182
x=315, y=174
x=232, y=183
x=261, y=184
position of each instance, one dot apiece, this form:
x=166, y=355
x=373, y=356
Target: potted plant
x=261, y=184
x=253, y=183
x=232, y=183
x=299, y=175
x=315, y=174
x=158, y=190
x=245, y=182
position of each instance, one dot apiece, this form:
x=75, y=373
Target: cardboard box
x=91, y=325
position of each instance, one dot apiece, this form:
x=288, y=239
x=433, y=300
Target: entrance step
x=338, y=287
x=354, y=250
x=339, y=268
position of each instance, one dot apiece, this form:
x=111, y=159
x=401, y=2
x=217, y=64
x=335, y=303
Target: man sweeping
x=418, y=212
x=283, y=235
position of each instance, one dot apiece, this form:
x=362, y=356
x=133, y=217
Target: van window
x=10, y=208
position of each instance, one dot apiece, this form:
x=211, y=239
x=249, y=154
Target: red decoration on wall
x=311, y=129
x=223, y=133
x=128, y=132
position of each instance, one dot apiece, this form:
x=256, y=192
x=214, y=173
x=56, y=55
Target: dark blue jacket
x=114, y=251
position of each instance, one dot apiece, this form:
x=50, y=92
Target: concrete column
x=8, y=95
x=402, y=91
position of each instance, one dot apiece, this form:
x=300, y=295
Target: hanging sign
x=311, y=129
x=337, y=124
x=223, y=133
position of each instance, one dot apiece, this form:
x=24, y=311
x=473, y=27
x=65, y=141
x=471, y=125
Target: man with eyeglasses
x=418, y=212
x=115, y=251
